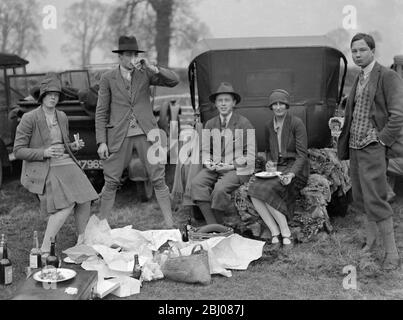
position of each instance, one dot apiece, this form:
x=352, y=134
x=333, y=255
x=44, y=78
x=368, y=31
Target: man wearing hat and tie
x=212, y=187
x=124, y=117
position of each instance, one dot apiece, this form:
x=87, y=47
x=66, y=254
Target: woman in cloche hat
x=286, y=141
x=50, y=169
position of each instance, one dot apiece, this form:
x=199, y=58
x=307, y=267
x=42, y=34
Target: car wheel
x=145, y=190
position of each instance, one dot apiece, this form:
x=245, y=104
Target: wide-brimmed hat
x=225, y=87
x=50, y=84
x=127, y=44
x=279, y=95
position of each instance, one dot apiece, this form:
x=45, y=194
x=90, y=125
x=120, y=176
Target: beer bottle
x=136, y=268
x=185, y=235
x=35, y=256
x=6, y=268
x=52, y=259
x=3, y=240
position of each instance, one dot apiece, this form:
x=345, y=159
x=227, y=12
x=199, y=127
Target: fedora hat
x=127, y=44
x=279, y=95
x=50, y=84
x=225, y=87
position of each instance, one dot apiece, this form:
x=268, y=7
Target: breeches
x=118, y=161
x=215, y=187
x=368, y=177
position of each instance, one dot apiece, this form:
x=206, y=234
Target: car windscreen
x=307, y=73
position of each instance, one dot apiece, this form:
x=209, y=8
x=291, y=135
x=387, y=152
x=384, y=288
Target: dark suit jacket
x=294, y=144
x=237, y=121
x=31, y=140
x=114, y=104
x=386, y=111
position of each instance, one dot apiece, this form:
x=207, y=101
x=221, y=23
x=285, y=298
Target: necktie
x=224, y=122
x=361, y=78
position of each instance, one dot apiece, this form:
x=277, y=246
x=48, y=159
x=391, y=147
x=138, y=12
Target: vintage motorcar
x=310, y=68
x=307, y=67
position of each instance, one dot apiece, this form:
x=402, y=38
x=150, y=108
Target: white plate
x=69, y=260
x=267, y=175
x=66, y=273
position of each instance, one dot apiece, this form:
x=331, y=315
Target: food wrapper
x=80, y=253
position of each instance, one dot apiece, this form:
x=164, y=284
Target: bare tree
x=20, y=27
x=84, y=22
x=159, y=25
x=163, y=27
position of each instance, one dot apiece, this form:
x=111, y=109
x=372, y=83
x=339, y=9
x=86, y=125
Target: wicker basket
x=195, y=235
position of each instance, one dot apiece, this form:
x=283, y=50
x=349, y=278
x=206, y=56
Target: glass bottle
x=136, y=268
x=6, y=267
x=52, y=259
x=185, y=235
x=3, y=240
x=35, y=256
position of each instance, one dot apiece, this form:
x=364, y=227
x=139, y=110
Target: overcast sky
x=244, y=18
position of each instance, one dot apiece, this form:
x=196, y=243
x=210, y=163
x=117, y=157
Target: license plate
x=90, y=164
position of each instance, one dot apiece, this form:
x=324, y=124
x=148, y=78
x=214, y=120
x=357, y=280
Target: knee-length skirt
x=271, y=191
x=66, y=184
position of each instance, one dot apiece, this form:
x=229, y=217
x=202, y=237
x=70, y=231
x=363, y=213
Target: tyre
x=145, y=190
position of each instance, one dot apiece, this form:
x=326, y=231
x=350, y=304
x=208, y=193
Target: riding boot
x=371, y=230
x=164, y=201
x=392, y=260
x=205, y=208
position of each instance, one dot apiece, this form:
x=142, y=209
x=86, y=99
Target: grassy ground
x=310, y=271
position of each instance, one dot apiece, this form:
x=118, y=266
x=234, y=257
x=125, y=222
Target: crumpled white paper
x=97, y=232
x=127, y=286
x=151, y=271
x=80, y=253
x=225, y=253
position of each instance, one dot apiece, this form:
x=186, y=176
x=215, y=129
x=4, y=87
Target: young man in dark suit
x=123, y=119
x=228, y=164
x=373, y=121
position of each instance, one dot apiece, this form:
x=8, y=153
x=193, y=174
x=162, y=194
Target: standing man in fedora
x=212, y=187
x=371, y=130
x=124, y=117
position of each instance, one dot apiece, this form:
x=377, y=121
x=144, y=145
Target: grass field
x=311, y=270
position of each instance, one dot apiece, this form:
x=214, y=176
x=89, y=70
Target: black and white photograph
x=201, y=154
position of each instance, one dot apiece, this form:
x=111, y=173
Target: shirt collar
x=228, y=117
x=367, y=70
x=126, y=73
x=277, y=124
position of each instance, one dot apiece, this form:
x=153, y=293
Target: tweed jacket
x=386, y=111
x=115, y=104
x=31, y=139
x=294, y=144
x=229, y=153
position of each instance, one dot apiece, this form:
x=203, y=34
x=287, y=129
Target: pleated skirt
x=67, y=184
